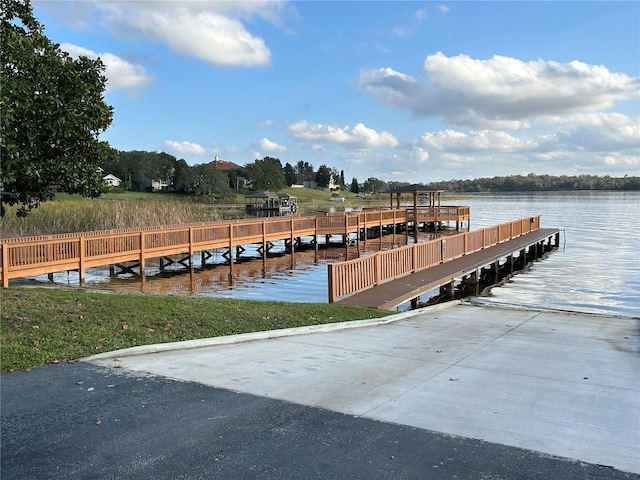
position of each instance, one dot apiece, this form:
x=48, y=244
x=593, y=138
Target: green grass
x=41, y=326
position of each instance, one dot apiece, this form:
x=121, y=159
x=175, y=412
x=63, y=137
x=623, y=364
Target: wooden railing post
x=5, y=265
x=82, y=254
x=190, y=247
x=414, y=258
x=332, y=288
x=346, y=229
x=378, y=269
x=142, y=254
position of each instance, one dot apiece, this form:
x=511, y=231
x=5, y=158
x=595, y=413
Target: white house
x=308, y=180
x=157, y=185
x=111, y=180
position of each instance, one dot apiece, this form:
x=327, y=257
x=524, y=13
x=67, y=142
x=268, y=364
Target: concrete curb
x=269, y=334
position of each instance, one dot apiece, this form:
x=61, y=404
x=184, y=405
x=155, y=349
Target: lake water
x=596, y=269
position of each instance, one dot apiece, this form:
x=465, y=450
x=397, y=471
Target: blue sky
x=406, y=91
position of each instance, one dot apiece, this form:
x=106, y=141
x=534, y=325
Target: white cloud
x=632, y=161
x=420, y=155
x=185, y=148
x=601, y=132
x=266, y=123
x=210, y=30
x=444, y=9
x=120, y=73
x=400, y=31
x=358, y=136
x=211, y=37
x=502, y=92
x=420, y=14
x=584, y=143
x=269, y=146
x=475, y=141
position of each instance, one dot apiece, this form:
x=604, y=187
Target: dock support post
x=230, y=244
x=476, y=279
x=414, y=303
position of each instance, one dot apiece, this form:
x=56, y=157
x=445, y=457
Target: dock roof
x=415, y=188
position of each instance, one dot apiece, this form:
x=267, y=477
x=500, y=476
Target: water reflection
x=597, y=268
x=300, y=276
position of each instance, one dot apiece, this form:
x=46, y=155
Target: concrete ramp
x=565, y=384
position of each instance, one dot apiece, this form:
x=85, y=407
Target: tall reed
x=89, y=215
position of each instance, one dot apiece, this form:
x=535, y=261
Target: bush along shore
x=40, y=326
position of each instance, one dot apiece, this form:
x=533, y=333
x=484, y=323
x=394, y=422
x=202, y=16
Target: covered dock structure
x=426, y=206
x=270, y=204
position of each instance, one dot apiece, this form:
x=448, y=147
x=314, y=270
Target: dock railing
x=354, y=276
x=31, y=256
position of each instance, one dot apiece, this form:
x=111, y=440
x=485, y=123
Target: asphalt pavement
x=460, y=392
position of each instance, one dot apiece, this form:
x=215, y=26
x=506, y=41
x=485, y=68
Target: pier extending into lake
x=129, y=249
x=389, y=278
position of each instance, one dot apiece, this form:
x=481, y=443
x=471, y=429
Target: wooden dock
x=390, y=278
x=131, y=248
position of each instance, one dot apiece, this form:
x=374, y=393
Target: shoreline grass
x=93, y=215
x=39, y=326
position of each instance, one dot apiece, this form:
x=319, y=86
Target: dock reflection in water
x=280, y=276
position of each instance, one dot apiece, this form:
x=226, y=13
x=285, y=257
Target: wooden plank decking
x=395, y=292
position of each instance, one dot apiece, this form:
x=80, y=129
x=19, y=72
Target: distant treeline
x=537, y=183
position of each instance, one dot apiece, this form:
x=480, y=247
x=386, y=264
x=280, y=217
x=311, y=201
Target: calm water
x=596, y=269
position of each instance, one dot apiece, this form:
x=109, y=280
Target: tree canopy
x=323, y=176
x=52, y=114
x=266, y=174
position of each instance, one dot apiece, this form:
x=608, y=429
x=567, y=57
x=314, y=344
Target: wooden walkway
x=395, y=292
x=31, y=256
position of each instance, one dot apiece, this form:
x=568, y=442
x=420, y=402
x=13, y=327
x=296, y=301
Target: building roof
x=415, y=188
x=225, y=166
x=306, y=176
x=111, y=176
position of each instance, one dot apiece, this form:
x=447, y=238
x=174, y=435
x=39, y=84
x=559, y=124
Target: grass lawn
x=40, y=325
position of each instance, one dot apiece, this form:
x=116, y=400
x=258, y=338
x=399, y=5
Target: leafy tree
x=355, y=188
x=373, y=185
x=203, y=179
x=289, y=174
x=184, y=177
x=323, y=176
x=533, y=182
x=266, y=174
x=303, y=167
x=210, y=181
x=237, y=177
x=342, y=181
x=140, y=168
x=52, y=114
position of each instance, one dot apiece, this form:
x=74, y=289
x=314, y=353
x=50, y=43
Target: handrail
x=35, y=255
x=354, y=276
